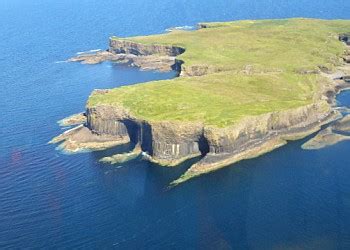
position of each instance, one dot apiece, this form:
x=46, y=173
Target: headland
x=244, y=89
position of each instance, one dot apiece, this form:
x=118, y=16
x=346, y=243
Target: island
x=244, y=88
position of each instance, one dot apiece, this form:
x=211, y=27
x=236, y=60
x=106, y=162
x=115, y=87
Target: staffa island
x=244, y=88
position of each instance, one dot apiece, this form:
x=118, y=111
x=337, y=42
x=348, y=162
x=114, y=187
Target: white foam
x=61, y=62
x=89, y=51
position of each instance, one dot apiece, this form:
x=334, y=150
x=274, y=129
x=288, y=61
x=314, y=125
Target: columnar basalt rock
x=235, y=138
x=168, y=143
x=258, y=135
x=172, y=142
x=107, y=120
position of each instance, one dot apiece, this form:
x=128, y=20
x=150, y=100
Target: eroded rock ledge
x=146, y=57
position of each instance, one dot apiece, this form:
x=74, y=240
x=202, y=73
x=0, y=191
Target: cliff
x=170, y=143
x=232, y=101
x=120, y=46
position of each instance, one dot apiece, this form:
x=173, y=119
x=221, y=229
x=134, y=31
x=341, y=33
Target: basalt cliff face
x=169, y=143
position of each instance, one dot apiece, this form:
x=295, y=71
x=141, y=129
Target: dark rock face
x=164, y=141
x=128, y=47
x=174, y=141
x=345, y=79
x=202, y=26
x=146, y=138
x=256, y=130
x=345, y=38
x=107, y=120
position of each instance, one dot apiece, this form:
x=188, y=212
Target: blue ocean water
x=287, y=199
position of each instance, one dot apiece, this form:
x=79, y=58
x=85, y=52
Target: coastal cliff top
x=251, y=68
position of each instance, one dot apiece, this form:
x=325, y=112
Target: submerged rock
x=94, y=58
x=212, y=162
x=121, y=158
x=324, y=139
x=330, y=136
x=342, y=125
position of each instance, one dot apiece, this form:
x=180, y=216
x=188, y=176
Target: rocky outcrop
x=168, y=143
x=345, y=79
x=342, y=125
x=120, y=46
x=99, y=130
x=151, y=62
x=198, y=70
x=95, y=58
x=107, y=120
x=202, y=26
x=173, y=142
x=231, y=139
x=121, y=158
x=73, y=120
x=345, y=38
x=257, y=135
x=81, y=139
x=145, y=57
x=337, y=132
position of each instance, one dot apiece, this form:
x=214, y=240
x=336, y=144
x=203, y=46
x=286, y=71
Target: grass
x=276, y=51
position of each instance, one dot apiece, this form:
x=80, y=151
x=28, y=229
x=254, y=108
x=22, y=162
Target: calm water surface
x=287, y=199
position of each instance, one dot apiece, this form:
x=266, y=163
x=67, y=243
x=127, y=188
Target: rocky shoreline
x=170, y=143
x=160, y=58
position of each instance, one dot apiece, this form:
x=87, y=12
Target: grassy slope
x=275, y=50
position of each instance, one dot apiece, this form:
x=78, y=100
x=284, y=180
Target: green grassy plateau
x=262, y=66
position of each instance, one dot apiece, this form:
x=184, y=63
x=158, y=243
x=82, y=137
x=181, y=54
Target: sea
x=286, y=199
